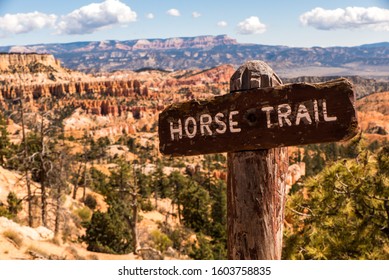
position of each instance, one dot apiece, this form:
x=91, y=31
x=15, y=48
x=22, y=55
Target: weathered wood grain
x=254, y=124
x=260, y=118
x=256, y=185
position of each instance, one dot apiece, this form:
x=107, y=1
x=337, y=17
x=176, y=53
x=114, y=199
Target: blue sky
x=302, y=23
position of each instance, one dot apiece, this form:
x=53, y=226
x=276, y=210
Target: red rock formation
x=103, y=88
x=110, y=94
x=9, y=62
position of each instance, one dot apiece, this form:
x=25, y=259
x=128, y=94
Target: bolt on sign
x=263, y=118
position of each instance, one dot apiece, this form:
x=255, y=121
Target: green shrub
x=14, y=236
x=90, y=201
x=37, y=252
x=13, y=208
x=93, y=257
x=161, y=240
x=107, y=233
x=4, y=212
x=202, y=249
x=14, y=204
x=147, y=206
x=84, y=214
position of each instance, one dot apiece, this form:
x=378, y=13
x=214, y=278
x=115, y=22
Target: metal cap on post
x=256, y=184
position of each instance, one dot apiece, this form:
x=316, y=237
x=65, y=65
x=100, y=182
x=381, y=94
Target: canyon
x=127, y=100
x=105, y=103
x=123, y=105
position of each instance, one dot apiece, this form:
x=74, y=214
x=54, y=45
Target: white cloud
x=173, y=12
x=150, y=15
x=95, y=16
x=196, y=14
x=348, y=18
x=25, y=22
x=251, y=25
x=222, y=23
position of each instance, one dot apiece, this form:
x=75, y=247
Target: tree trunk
x=85, y=182
x=43, y=178
x=178, y=203
x=75, y=186
x=26, y=168
x=135, y=238
x=44, y=201
x=256, y=185
x=57, y=212
x=60, y=183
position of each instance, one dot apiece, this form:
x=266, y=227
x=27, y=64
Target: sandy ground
x=18, y=241
x=25, y=247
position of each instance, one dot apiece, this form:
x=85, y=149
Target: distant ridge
x=202, y=52
x=362, y=86
x=376, y=45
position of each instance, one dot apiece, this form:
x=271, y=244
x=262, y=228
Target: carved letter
x=205, y=121
x=316, y=110
x=267, y=110
x=284, y=115
x=177, y=130
x=232, y=123
x=326, y=118
x=194, y=125
x=302, y=112
x=222, y=125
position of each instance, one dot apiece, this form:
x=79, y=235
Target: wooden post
x=253, y=124
x=256, y=184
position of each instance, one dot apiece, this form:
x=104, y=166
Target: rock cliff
x=103, y=88
x=28, y=63
x=71, y=85
x=106, y=104
x=134, y=97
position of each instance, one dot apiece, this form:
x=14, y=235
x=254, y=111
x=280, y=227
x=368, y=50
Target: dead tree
x=59, y=183
x=26, y=164
x=76, y=180
x=133, y=221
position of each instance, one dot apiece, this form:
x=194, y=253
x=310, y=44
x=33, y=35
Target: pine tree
x=195, y=201
x=160, y=184
x=107, y=233
x=14, y=204
x=202, y=249
x=116, y=230
x=178, y=183
x=5, y=145
x=218, y=230
x=219, y=209
x=342, y=213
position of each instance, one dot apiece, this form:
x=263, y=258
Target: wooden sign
x=263, y=118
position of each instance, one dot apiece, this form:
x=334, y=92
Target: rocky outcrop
x=39, y=233
x=28, y=62
x=116, y=94
x=103, y=88
x=109, y=107
x=217, y=75
x=374, y=128
x=373, y=115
